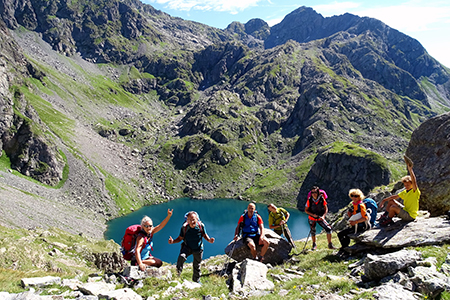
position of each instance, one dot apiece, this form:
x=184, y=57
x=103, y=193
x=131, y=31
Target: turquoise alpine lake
x=220, y=217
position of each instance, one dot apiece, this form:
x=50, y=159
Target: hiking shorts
x=255, y=239
x=322, y=223
x=404, y=215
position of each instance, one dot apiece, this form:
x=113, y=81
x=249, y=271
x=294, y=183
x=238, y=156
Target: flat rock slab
x=40, y=281
x=421, y=232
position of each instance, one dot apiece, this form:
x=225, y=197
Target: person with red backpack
x=143, y=256
x=192, y=233
x=316, y=207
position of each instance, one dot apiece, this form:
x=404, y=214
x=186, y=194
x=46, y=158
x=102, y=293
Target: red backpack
x=128, y=248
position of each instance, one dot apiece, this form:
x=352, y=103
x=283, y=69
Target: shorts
x=255, y=239
x=404, y=215
x=322, y=223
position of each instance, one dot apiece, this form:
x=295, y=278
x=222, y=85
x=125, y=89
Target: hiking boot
x=314, y=246
x=330, y=246
x=386, y=222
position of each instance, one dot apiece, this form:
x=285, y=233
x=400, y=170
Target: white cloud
x=409, y=17
x=274, y=21
x=232, y=6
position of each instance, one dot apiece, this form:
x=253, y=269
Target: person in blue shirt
x=192, y=233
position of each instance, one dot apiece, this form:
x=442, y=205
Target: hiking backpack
x=372, y=209
x=128, y=245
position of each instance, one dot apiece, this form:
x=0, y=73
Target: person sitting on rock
x=410, y=196
x=316, y=207
x=143, y=257
x=358, y=207
x=252, y=231
x=278, y=218
x=192, y=233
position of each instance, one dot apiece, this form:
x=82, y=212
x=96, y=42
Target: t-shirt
x=194, y=237
x=410, y=201
x=276, y=217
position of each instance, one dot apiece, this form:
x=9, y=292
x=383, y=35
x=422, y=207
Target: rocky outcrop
x=423, y=231
x=31, y=153
x=397, y=275
x=429, y=149
x=337, y=173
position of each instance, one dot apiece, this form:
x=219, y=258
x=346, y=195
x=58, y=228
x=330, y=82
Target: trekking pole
x=306, y=241
x=227, y=262
x=288, y=236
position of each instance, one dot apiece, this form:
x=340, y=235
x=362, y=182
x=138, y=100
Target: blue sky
x=427, y=21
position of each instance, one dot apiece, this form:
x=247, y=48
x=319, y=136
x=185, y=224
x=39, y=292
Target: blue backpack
x=372, y=205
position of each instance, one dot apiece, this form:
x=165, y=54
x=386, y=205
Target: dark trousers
x=343, y=235
x=184, y=253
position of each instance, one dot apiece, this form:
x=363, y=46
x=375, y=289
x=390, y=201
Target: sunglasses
x=354, y=196
x=148, y=226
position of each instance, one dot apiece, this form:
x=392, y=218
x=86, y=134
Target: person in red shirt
x=358, y=207
x=316, y=207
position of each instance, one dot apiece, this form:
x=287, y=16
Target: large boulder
x=429, y=148
x=421, y=232
x=377, y=267
x=278, y=251
x=250, y=275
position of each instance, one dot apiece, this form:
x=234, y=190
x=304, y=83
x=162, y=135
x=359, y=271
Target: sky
x=428, y=21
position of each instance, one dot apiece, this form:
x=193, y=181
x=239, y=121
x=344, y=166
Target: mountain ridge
x=175, y=108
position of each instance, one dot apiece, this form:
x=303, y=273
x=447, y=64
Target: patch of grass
x=59, y=123
x=125, y=196
x=355, y=150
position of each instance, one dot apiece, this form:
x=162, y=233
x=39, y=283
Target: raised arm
x=413, y=177
x=164, y=222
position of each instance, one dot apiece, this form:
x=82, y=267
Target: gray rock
x=40, y=281
x=429, y=281
x=120, y=294
x=133, y=272
x=250, y=275
x=97, y=288
x=400, y=278
x=431, y=231
x=379, y=266
x=278, y=251
x=429, y=150
x=394, y=291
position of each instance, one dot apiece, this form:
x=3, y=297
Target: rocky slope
x=141, y=107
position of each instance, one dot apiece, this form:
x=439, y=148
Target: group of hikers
x=251, y=225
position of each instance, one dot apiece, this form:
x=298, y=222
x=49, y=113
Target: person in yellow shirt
x=410, y=196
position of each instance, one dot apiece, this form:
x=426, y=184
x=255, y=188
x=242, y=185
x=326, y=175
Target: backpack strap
x=186, y=226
